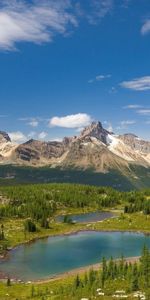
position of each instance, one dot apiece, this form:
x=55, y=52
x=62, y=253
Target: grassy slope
x=52, y=291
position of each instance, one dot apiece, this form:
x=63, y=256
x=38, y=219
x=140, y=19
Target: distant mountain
x=6, y=147
x=95, y=148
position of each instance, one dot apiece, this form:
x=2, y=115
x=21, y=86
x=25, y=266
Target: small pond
x=87, y=217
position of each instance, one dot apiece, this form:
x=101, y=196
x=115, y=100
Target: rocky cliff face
x=136, y=143
x=4, y=137
x=94, y=148
x=95, y=130
x=6, y=146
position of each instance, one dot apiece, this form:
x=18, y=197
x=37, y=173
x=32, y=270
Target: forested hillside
x=43, y=200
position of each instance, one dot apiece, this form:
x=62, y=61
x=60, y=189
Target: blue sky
x=66, y=63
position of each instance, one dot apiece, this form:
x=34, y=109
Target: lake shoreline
x=82, y=270
x=71, y=273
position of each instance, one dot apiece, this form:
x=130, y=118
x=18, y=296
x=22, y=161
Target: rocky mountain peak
x=4, y=137
x=136, y=143
x=129, y=135
x=95, y=130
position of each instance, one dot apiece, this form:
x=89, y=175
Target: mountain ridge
x=95, y=147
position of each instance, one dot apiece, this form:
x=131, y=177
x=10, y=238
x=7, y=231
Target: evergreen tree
x=134, y=280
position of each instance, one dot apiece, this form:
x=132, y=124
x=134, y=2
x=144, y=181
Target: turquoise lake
x=88, y=217
x=49, y=257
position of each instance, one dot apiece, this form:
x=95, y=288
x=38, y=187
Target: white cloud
x=17, y=137
x=143, y=112
x=146, y=27
x=137, y=84
x=99, y=78
x=71, y=121
x=37, y=21
x=42, y=135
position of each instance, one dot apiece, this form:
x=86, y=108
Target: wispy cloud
x=33, y=123
x=137, y=84
x=99, y=78
x=144, y=112
x=37, y=21
x=98, y=10
x=128, y=122
x=42, y=135
x=71, y=121
x=132, y=106
x=125, y=124
x=146, y=27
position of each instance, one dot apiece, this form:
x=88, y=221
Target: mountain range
x=121, y=159
x=95, y=148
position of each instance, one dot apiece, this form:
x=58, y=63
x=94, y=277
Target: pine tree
x=77, y=282
x=104, y=271
x=134, y=280
x=145, y=266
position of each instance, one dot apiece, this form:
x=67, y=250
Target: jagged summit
x=4, y=137
x=95, y=130
x=94, y=148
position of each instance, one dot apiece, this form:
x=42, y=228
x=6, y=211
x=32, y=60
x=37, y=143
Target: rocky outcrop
x=94, y=148
x=136, y=143
x=4, y=137
x=95, y=130
x=40, y=152
x=6, y=146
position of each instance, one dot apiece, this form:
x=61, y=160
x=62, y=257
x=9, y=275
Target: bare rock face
x=94, y=148
x=6, y=147
x=4, y=137
x=135, y=143
x=95, y=130
x=92, y=153
x=38, y=151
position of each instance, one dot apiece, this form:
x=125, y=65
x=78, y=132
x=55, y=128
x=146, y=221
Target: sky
x=66, y=63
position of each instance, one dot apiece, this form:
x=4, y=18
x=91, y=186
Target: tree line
x=40, y=201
